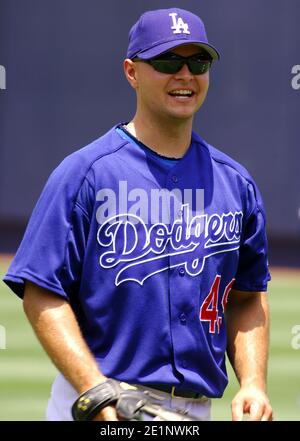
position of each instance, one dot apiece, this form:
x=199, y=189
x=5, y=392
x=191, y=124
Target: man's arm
x=247, y=318
x=57, y=329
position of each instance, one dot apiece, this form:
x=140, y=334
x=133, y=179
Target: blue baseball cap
x=159, y=31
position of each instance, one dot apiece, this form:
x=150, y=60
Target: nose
x=184, y=72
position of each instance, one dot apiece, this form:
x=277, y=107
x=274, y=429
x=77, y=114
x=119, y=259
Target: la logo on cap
x=178, y=24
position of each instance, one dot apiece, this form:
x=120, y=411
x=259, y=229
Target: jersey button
x=174, y=179
x=182, y=319
x=184, y=363
x=181, y=271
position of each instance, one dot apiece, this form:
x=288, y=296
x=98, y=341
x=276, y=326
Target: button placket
x=181, y=271
x=182, y=319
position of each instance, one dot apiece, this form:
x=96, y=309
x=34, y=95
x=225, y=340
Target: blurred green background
x=26, y=373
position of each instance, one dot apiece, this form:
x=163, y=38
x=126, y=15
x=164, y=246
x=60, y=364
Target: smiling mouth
x=182, y=93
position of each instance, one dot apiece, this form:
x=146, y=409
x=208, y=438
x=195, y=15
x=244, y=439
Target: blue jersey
x=146, y=252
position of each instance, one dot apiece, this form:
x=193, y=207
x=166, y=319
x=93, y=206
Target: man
x=138, y=239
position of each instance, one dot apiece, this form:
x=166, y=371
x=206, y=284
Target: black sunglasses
x=170, y=63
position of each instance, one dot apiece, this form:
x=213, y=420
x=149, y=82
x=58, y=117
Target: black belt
x=175, y=392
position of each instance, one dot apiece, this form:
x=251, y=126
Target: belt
x=175, y=392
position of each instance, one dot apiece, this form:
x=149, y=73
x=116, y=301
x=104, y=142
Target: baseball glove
x=131, y=404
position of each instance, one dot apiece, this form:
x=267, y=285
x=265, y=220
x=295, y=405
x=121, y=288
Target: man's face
x=156, y=92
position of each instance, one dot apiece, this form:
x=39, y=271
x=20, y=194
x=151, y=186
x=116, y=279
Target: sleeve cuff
x=17, y=284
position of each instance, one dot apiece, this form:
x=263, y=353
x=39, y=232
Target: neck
x=171, y=140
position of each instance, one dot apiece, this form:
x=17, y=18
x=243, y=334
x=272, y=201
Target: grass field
x=26, y=373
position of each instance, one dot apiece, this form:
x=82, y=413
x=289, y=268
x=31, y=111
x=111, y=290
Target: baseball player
x=145, y=258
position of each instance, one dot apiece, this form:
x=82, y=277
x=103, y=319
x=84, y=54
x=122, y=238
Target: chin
x=184, y=112
x=183, y=115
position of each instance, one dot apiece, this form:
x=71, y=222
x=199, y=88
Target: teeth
x=182, y=92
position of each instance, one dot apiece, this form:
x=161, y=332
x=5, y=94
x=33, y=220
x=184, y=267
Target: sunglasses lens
x=167, y=66
x=171, y=64
x=199, y=67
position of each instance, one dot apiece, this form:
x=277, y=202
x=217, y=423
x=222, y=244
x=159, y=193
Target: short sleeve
x=253, y=272
x=53, y=247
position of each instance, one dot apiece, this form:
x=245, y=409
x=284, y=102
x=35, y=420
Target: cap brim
x=164, y=47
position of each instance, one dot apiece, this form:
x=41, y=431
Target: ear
x=131, y=72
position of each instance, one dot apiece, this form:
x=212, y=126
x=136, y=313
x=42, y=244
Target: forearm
x=248, y=337
x=56, y=327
